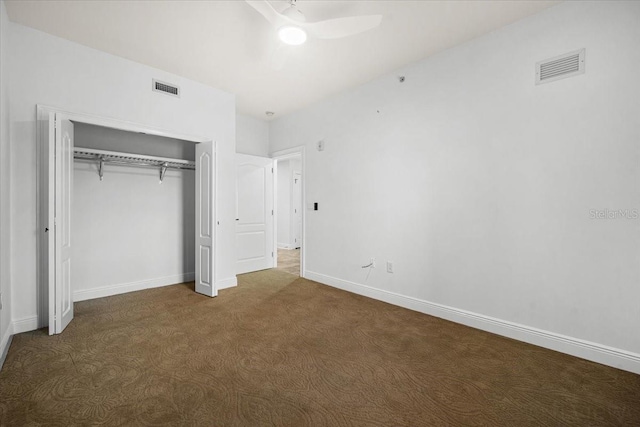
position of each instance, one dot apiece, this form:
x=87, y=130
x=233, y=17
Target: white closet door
x=205, y=219
x=254, y=217
x=63, y=302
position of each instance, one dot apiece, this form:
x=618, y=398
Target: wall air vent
x=567, y=65
x=166, y=88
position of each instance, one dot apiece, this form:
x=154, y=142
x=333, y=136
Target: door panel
x=251, y=245
x=64, y=199
x=205, y=219
x=297, y=209
x=254, y=217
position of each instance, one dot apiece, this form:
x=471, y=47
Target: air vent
x=567, y=65
x=167, y=88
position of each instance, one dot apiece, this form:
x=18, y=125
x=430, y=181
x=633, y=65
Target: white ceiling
x=227, y=44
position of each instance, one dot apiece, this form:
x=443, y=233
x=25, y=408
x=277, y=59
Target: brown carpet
x=289, y=261
x=280, y=350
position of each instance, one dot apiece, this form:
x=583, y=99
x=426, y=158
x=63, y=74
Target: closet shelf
x=127, y=159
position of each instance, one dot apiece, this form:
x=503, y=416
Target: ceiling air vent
x=567, y=65
x=167, y=88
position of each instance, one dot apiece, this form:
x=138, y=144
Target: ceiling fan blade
x=265, y=9
x=342, y=27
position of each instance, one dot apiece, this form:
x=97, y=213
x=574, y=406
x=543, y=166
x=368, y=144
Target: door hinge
x=271, y=212
x=271, y=254
x=271, y=170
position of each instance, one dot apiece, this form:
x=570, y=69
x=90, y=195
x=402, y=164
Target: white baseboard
x=595, y=352
x=229, y=282
x=287, y=246
x=122, y=288
x=25, y=324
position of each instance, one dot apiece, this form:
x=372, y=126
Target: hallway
x=289, y=261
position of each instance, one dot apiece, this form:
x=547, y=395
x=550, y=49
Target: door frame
x=45, y=138
x=288, y=154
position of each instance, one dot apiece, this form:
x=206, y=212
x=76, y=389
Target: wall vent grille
x=563, y=66
x=166, y=88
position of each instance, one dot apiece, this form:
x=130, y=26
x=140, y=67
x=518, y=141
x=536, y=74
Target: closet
x=133, y=211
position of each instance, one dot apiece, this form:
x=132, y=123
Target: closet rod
x=127, y=159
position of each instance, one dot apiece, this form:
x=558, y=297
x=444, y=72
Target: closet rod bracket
x=101, y=168
x=163, y=170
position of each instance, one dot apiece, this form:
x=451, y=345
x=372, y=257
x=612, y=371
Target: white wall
x=52, y=71
x=130, y=232
x=5, y=162
x=252, y=136
x=284, y=204
x=478, y=184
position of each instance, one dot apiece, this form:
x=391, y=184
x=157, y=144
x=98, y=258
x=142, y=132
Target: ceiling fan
x=293, y=28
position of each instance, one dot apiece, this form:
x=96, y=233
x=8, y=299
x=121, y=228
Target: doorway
x=290, y=211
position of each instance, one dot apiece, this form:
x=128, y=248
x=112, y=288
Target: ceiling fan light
x=292, y=35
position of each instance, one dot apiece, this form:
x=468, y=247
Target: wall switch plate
x=389, y=267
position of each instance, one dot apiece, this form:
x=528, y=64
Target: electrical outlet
x=373, y=262
x=389, y=267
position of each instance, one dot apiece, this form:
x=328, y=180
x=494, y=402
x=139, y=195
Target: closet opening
x=121, y=207
x=133, y=211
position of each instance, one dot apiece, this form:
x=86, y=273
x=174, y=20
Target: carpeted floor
x=289, y=261
x=281, y=350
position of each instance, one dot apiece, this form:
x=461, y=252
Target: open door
x=59, y=261
x=297, y=209
x=254, y=217
x=205, y=219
